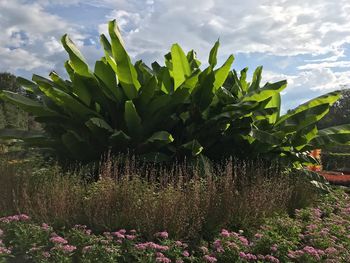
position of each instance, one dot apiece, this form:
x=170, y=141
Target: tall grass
x=150, y=198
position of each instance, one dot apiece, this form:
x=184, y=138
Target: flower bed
x=318, y=234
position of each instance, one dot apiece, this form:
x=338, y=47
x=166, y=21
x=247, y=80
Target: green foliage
x=167, y=112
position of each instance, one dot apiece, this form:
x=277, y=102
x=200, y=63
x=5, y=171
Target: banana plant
x=166, y=112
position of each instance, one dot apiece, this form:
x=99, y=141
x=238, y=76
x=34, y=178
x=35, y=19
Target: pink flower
x=46, y=254
x=272, y=259
x=122, y=231
x=68, y=248
x=23, y=217
x=331, y=250
x=162, y=234
x=159, y=255
x=58, y=240
x=163, y=260
x=130, y=237
x=178, y=243
x=258, y=235
x=224, y=233
x=45, y=227
x=274, y=248
x=4, y=251
x=210, y=259
x=118, y=235
x=185, y=253
x=218, y=246
x=141, y=246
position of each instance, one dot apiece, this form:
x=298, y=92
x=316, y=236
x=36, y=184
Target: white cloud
x=335, y=64
x=278, y=27
x=30, y=37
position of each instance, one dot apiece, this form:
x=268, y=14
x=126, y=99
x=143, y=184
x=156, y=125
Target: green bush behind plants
x=167, y=112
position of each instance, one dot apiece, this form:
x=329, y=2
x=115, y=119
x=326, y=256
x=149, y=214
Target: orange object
x=316, y=153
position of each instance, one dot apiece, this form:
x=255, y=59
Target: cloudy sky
x=306, y=42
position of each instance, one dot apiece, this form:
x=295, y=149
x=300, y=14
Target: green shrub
x=168, y=112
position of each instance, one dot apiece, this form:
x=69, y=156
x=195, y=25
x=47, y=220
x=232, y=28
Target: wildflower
x=130, y=237
x=58, y=240
x=118, y=235
x=69, y=248
x=162, y=234
x=45, y=227
x=210, y=259
x=163, y=260
x=272, y=259
x=218, y=246
x=186, y=253
x=4, y=251
x=178, y=243
x=122, y=231
x=274, y=248
x=23, y=217
x=224, y=233
x=243, y=240
x=331, y=250
x=159, y=255
x=258, y=235
x=141, y=246
x=46, y=254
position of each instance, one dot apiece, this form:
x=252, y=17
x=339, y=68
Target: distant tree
x=339, y=113
x=10, y=115
x=9, y=82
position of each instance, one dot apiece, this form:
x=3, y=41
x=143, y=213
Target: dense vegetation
x=224, y=178
x=314, y=235
x=168, y=112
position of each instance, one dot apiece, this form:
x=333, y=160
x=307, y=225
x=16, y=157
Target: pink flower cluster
x=58, y=240
x=162, y=234
x=151, y=245
x=14, y=218
x=307, y=250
